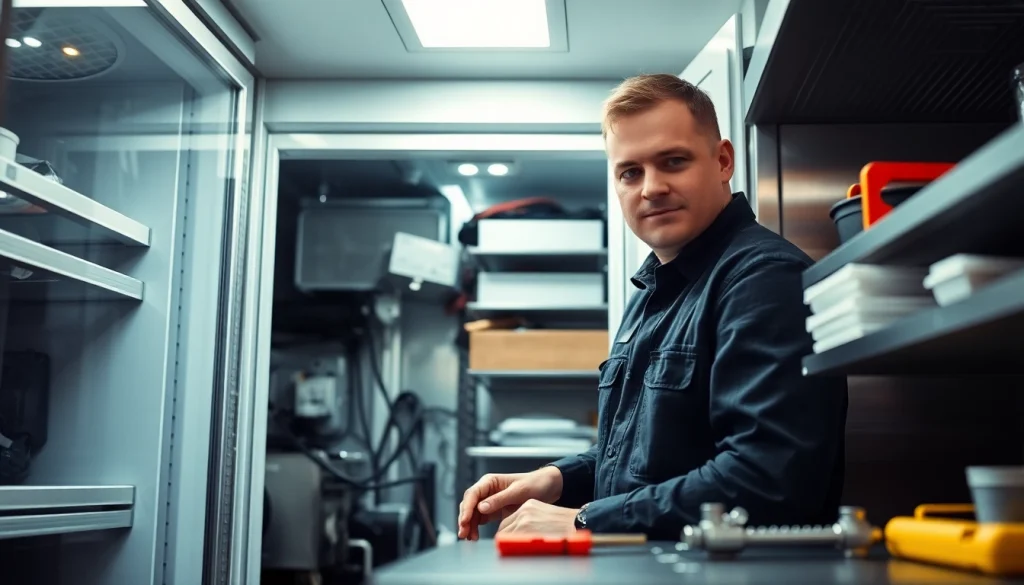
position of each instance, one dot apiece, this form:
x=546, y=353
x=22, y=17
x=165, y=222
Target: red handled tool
x=578, y=543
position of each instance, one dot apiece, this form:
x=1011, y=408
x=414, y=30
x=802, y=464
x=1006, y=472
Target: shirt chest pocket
x=668, y=420
x=609, y=384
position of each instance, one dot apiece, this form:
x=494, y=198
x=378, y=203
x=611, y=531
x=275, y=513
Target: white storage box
x=958, y=277
x=540, y=289
x=845, y=335
x=540, y=235
x=867, y=312
x=864, y=280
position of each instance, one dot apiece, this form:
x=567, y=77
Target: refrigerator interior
x=127, y=115
x=420, y=352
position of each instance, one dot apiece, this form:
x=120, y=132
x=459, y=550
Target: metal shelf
x=44, y=510
x=884, y=61
x=17, y=498
x=499, y=452
x=975, y=336
x=518, y=375
x=58, y=276
x=542, y=261
x=56, y=198
x=974, y=208
x=45, y=524
x=539, y=312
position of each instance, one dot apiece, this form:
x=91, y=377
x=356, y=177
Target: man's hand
x=536, y=517
x=497, y=496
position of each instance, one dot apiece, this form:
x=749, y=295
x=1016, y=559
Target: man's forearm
x=662, y=510
x=577, y=478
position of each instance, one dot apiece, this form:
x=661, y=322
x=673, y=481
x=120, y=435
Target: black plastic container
x=848, y=214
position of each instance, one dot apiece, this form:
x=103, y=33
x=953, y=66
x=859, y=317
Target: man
x=702, y=398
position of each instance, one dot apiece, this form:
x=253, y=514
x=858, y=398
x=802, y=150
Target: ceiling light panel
x=480, y=25
x=490, y=24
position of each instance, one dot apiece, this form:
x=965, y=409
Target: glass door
x=120, y=177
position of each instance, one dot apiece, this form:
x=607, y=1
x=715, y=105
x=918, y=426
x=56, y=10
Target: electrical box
x=346, y=245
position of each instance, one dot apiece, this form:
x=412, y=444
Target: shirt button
x=610, y=452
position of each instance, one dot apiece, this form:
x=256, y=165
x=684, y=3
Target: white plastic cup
x=998, y=493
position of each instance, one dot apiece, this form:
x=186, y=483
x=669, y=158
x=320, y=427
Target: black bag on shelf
x=24, y=410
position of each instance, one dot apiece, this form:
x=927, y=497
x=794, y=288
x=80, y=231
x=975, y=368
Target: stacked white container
x=957, y=277
x=859, y=299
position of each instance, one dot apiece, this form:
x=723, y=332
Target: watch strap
x=581, y=517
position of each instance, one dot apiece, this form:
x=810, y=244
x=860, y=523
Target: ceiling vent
x=60, y=45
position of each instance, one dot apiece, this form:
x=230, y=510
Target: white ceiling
x=576, y=183
x=355, y=39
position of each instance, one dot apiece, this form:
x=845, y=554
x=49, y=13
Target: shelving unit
x=499, y=452
x=121, y=292
x=969, y=337
x=537, y=312
x=902, y=81
x=497, y=376
x=562, y=260
x=58, y=276
x=46, y=510
x=50, y=274
x=974, y=208
x=56, y=198
x=529, y=384
x=884, y=61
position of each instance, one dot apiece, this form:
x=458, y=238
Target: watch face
x=581, y=518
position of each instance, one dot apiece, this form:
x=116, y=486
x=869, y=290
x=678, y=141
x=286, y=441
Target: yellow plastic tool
x=989, y=548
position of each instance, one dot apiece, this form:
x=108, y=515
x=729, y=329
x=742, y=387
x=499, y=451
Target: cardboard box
x=540, y=349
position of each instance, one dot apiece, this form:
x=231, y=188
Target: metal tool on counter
x=725, y=534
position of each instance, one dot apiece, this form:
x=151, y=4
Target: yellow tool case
x=991, y=548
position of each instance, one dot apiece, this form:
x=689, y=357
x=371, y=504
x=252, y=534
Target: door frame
x=262, y=238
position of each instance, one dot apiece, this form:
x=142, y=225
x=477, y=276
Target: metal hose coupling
x=724, y=534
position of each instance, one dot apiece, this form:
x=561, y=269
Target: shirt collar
x=695, y=256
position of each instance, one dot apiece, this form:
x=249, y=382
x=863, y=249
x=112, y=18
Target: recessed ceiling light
x=490, y=24
x=468, y=169
x=13, y=43
x=33, y=42
x=498, y=169
x=71, y=51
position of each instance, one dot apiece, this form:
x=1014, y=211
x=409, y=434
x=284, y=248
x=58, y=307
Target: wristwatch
x=581, y=518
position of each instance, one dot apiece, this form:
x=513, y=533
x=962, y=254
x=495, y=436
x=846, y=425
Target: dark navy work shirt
x=702, y=398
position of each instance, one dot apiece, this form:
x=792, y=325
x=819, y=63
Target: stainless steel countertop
x=475, y=563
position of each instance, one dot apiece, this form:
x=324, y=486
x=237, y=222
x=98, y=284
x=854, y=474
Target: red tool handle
x=876, y=175
x=578, y=543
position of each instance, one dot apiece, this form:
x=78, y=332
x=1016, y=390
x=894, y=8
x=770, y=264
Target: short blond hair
x=643, y=92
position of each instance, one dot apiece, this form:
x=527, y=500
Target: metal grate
x=99, y=48
x=859, y=61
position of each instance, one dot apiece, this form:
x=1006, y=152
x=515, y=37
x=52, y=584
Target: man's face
x=670, y=175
